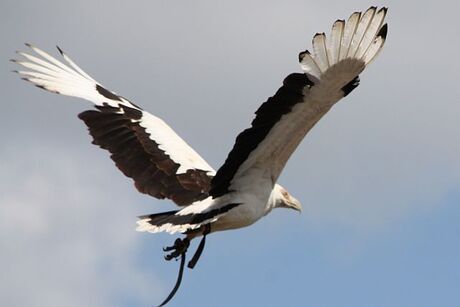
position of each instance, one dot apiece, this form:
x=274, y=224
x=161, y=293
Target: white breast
x=254, y=205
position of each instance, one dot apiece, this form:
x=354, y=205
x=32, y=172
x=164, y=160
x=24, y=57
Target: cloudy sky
x=379, y=176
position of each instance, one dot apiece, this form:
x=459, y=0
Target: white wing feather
x=355, y=44
x=54, y=76
x=360, y=38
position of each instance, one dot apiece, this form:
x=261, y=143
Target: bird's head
x=282, y=199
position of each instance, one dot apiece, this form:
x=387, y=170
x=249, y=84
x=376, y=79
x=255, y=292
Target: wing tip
x=372, y=8
x=319, y=34
x=358, y=13
x=302, y=54
x=383, y=9
x=353, y=20
x=383, y=31
x=60, y=50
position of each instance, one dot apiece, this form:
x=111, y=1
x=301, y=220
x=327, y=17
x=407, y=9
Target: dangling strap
x=179, y=279
x=191, y=264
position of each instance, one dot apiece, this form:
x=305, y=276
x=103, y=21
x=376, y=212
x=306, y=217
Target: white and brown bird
x=244, y=188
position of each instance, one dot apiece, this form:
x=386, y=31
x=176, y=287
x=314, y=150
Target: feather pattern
x=360, y=31
x=360, y=38
x=376, y=45
x=371, y=32
x=142, y=145
x=320, y=51
x=349, y=31
x=334, y=42
x=308, y=64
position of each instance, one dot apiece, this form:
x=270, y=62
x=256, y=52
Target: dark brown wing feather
x=140, y=158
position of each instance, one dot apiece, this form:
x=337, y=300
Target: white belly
x=253, y=197
x=248, y=212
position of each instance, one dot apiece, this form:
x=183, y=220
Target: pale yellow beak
x=293, y=203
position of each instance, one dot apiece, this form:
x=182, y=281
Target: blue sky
x=378, y=177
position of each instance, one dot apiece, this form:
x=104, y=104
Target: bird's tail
x=48, y=73
x=153, y=222
x=189, y=218
x=170, y=222
x=360, y=38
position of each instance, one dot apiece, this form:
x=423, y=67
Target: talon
x=174, y=254
x=180, y=246
x=168, y=248
x=177, y=244
x=171, y=256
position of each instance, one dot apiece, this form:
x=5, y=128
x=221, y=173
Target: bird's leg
x=206, y=230
x=180, y=247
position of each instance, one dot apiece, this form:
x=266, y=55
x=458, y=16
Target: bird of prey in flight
x=244, y=188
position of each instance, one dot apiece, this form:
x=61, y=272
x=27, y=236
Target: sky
x=378, y=176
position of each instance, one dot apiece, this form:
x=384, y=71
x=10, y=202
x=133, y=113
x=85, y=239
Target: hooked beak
x=294, y=204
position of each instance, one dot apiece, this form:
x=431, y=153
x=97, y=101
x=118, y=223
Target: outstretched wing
x=330, y=73
x=142, y=145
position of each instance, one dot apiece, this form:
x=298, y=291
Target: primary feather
x=142, y=145
x=360, y=38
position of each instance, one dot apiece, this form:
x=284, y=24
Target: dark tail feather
x=158, y=219
x=172, y=222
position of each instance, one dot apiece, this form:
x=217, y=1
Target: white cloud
x=62, y=243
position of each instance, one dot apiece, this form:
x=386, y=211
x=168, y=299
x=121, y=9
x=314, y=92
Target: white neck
x=275, y=198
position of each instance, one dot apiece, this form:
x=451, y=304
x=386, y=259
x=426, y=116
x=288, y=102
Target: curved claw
x=177, y=243
x=168, y=257
x=168, y=248
x=180, y=246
